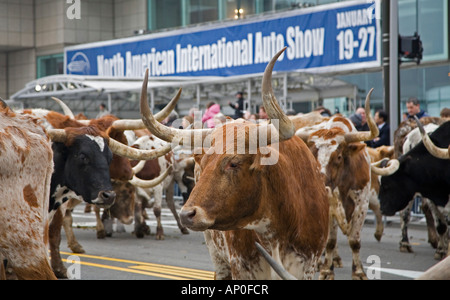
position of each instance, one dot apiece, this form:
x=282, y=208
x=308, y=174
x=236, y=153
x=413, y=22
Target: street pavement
x=183, y=257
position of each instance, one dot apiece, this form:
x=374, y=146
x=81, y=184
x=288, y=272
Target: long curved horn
x=137, y=154
x=150, y=183
x=392, y=167
x=286, y=127
x=137, y=168
x=365, y=135
x=129, y=124
x=57, y=135
x=434, y=150
x=285, y=275
x=163, y=132
x=67, y=111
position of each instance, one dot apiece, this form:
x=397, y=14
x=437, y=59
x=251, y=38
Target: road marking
x=398, y=272
x=149, y=269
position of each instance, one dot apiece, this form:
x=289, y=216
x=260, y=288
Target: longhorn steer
x=274, y=195
x=345, y=167
x=419, y=171
x=25, y=172
x=154, y=168
x=403, y=142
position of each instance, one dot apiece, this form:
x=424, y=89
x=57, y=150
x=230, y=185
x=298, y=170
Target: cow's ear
x=356, y=147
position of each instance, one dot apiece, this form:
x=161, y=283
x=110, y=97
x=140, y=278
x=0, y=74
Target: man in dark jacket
x=238, y=106
x=383, y=138
x=413, y=107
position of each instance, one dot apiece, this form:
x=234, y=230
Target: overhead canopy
x=290, y=87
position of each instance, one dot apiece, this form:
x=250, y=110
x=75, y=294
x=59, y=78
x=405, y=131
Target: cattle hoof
x=101, y=234
x=378, y=236
x=60, y=273
x=139, y=234
x=433, y=242
x=159, y=234
x=77, y=249
x=359, y=276
x=337, y=262
x=406, y=247
x=440, y=254
x=326, y=275
x=184, y=230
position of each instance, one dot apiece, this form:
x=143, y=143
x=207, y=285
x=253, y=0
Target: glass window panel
x=166, y=14
x=415, y=16
x=203, y=11
x=50, y=65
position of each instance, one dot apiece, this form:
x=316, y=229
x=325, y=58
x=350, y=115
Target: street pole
x=394, y=71
x=391, y=74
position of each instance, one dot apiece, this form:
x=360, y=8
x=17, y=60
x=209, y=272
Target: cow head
x=227, y=192
x=82, y=162
x=342, y=157
x=419, y=171
x=396, y=190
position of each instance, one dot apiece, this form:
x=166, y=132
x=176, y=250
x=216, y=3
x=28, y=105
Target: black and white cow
x=82, y=158
x=421, y=172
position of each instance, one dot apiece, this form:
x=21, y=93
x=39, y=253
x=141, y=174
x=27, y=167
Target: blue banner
x=327, y=38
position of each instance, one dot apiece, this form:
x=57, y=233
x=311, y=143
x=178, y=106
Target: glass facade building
x=37, y=45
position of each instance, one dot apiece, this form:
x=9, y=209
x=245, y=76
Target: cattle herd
x=269, y=197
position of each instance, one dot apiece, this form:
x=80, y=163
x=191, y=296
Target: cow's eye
x=83, y=158
x=233, y=165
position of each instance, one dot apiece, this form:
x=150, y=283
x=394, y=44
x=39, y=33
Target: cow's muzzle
x=195, y=218
x=105, y=199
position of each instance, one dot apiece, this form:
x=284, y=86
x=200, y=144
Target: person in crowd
x=445, y=113
x=212, y=109
x=262, y=113
x=186, y=121
x=238, y=106
x=219, y=119
x=253, y=117
x=359, y=119
x=103, y=111
x=413, y=108
x=383, y=138
x=169, y=120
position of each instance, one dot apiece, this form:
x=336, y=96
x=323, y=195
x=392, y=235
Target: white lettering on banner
x=347, y=38
x=354, y=18
x=267, y=46
x=365, y=42
x=306, y=43
x=158, y=63
x=221, y=54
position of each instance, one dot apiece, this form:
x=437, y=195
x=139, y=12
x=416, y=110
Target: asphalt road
x=182, y=257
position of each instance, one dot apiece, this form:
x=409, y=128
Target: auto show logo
x=79, y=64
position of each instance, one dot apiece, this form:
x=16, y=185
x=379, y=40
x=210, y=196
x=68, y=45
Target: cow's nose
x=105, y=199
x=196, y=218
x=187, y=216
